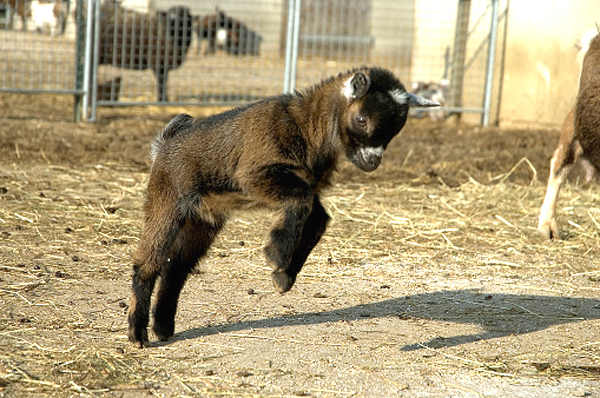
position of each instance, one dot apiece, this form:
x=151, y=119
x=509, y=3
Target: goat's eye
x=361, y=121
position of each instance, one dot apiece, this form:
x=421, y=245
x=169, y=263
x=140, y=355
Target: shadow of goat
x=498, y=314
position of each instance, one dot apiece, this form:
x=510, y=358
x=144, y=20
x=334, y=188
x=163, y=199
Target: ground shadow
x=499, y=315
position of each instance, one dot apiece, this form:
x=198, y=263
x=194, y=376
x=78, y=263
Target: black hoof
x=138, y=337
x=282, y=281
x=163, y=332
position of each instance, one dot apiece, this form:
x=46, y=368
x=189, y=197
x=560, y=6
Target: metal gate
x=184, y=52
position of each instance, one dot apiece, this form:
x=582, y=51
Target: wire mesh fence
x=228, y=52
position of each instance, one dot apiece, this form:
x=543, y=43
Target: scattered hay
x=61, y=225
x=419, y=233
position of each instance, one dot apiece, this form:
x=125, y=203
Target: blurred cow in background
x=21, y=8
x=50, y=16
x=139, y=41
x=228, y=34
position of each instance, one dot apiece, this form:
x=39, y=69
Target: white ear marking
x=399, y=96
x=347, y=90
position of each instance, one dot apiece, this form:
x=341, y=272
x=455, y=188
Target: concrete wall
x=434, y=32
x=541, y=71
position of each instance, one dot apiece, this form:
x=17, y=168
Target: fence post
x=88, y=58
x=95, y=59
x=489, y=77
x=291, y=46
x=460, y=52
x=79, y=59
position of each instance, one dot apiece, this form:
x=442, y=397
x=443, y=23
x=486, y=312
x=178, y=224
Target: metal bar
x=288, y=46
x=87, y=69
x=40, y=91
x=502, y=62
x=489, y=79
x=94, y=89
x=79, y=61
x=295, y=45
x=342, y=39
x=479, y=49
x=451, y=109
x=291, y=46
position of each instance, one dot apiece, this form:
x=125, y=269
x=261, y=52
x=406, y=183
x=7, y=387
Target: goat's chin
x=358, y=159
x=364, y=165
x=369, y=168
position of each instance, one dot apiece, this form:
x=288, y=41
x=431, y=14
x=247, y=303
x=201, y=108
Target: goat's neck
x=319, y=118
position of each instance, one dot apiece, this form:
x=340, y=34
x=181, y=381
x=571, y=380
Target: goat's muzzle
x=368, y=158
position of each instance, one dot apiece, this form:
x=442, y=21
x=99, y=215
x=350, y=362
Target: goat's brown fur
x=280, y=153
x=579, y=138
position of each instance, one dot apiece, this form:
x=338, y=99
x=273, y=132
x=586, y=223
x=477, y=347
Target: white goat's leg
x=547, y=226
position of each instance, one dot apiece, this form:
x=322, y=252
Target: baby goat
x=280, y=153
x=579, y=136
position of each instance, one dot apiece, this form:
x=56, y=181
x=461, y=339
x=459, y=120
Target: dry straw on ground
x=430, y=276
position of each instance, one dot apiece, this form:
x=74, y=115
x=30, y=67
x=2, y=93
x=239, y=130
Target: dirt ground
x=430, y=282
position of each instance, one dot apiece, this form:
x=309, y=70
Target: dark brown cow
x=139, y=41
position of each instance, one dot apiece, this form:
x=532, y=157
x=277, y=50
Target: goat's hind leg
x=148, y=261
x=160, y=231
x=547, y=226
x=144, y=278
x=191, y=243
x=162, y=74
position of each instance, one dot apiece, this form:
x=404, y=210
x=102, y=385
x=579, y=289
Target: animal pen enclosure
x=431, y=280
x=228, y=53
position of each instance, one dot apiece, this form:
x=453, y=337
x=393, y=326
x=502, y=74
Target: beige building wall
x=541, y=70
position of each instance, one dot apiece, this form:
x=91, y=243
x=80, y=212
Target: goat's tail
x=178, y=124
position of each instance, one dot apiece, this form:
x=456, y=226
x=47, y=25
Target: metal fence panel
x=36, y=55
x=235, y=52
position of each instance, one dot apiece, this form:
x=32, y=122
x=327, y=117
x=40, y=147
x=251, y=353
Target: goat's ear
x=356, y=86
x=418, y=101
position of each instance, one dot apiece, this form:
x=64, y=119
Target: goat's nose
x=371, y=157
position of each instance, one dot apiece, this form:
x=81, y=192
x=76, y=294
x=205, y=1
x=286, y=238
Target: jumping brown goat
x=579, y=136
x=281, y=153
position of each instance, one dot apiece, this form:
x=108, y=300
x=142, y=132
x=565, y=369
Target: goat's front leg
x=286, y=236
x=312, y=231
x=296, y=232
x=568, y=151
x=547, y=226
